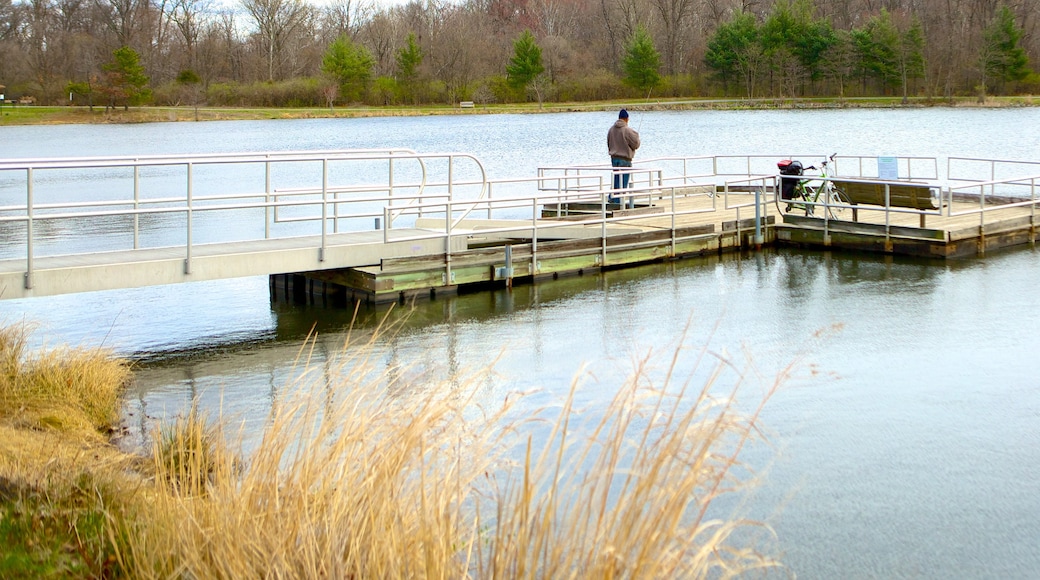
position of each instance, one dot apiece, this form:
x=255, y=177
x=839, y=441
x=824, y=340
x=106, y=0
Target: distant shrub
x=597, y=85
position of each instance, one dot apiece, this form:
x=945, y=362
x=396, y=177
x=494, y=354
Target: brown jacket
x=622, y=140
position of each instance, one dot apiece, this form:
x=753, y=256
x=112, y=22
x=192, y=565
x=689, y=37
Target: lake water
x=906, y=444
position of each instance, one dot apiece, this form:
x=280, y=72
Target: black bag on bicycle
x=788, y=184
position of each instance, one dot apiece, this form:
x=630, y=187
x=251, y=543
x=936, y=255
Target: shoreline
x=63, y=115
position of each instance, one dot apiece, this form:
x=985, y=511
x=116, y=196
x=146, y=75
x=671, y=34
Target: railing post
x=187, y=259
x=335, y=199
x=137, y=204
x=603, y=225
x=29, y=229
x=324, y=207
x=826, y=212
x=671, y=211
x=447, y=233
x=982, y=217
x=534, y=235
x=386, y=222
x=888, y=217
x=390, y=184
x=451, y=176
x=267, y=200
x=1032, y=211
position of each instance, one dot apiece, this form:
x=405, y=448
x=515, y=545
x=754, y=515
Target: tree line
x=291, y=53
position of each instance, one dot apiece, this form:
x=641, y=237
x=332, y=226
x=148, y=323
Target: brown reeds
x=362, y=473
x=61, y=483
x=352, y=478
x=66, y=389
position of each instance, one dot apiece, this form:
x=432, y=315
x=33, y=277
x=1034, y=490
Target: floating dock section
x=900, y=217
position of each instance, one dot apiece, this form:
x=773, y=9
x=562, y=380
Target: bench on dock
x=903, y=194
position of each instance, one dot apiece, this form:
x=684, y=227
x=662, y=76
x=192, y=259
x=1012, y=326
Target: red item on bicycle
x=789, y=167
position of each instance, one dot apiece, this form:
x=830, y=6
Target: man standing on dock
x=622, y=142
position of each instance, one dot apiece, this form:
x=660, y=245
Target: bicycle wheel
x=837, y=203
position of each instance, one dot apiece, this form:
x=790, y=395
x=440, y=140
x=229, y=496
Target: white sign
x=888, y=168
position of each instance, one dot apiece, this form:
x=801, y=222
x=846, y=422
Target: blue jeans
x=620, y=179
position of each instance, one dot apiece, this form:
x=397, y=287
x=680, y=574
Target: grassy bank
x=61, y=482
x=367, y=472
x=34, y=115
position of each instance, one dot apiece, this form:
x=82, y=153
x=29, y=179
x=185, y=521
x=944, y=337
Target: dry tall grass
x=65, y=389
x=61, y=483
x=363, y=473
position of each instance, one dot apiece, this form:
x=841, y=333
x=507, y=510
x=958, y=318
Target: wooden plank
x=867, y=228
x=747, y=224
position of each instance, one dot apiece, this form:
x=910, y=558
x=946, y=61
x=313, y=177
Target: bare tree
x=620, y=19
x=344, y=17
x=554, y=17
x=462, y=47
x=189, y=18
x=39, y=39
x=675, y=22
x=10, y=18
x=75, y=42
x=219, y=51
x=125, y=19
x=383, y=35
x=276, y=23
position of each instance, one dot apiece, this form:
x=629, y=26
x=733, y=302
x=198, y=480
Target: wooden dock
x=961, y=235
x=581, y=241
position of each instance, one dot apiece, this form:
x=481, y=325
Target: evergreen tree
x=526, y=64
x=795, y=43
x=911, y=55
x=125, y=80
x=877, y=49
x=409, y=58
x=734, y=52
x=351, y=65
x=840, y=61
x=642, y=61
x=815, y=39
x=1002, y=58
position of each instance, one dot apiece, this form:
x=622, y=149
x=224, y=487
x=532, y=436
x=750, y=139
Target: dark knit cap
x=623, y=114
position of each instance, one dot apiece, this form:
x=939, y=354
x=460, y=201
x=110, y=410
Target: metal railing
x=173, y=201
x=111, y=191
x=996, y=195
x=531, y=224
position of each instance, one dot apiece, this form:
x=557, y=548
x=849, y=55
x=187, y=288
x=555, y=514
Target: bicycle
x=824, y=195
